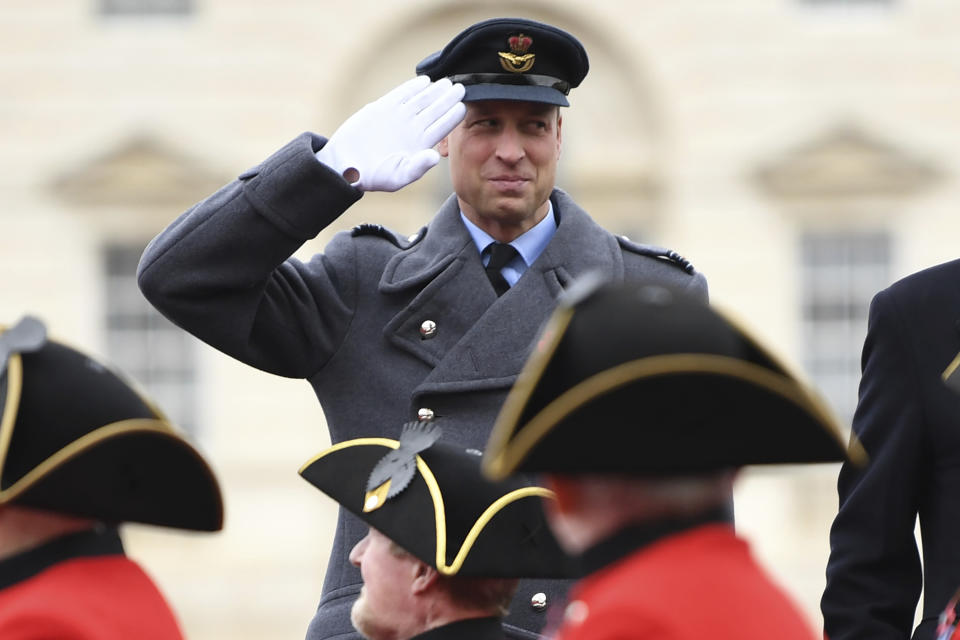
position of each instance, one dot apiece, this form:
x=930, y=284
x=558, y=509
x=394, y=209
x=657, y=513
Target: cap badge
x=517, y=60
x=394, y=471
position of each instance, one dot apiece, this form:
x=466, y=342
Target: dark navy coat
x=909, y=423
x=348, y=320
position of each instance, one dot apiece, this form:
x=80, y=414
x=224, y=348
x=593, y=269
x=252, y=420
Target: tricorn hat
x=511, y=59
x=647, y=380
x=430, y=498
x=77, y=438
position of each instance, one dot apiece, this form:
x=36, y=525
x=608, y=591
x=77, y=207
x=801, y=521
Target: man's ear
x=559, y=132
x=424, y=577
x=443, y=147
x=566, y=493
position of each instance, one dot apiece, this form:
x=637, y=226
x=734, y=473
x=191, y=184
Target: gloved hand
x=389, y=143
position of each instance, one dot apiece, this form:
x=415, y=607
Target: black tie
x=500, y=255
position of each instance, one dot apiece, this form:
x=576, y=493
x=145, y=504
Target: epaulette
x=369, y=229
x=668, y=255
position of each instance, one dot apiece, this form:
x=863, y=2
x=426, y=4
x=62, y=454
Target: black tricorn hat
x=431, y=499
x=511, y=59
x=77, y=438
x=646, y=380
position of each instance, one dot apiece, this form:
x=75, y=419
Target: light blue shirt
x=530, y=244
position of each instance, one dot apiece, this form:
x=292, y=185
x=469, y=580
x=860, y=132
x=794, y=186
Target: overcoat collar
x=481, y=340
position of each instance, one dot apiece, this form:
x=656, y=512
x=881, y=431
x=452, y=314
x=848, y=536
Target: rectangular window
x=146, y=346
x=848, y=3
x=146, y=7
x=841, y=272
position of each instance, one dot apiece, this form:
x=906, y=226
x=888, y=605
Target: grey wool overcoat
x=349, y=319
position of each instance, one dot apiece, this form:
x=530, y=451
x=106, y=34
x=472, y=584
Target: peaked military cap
x=77, y=438
x=511, y=59
x=643, y=379
x=430, y=498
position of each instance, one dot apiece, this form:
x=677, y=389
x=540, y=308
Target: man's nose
x=356, y=554
x=510, y=146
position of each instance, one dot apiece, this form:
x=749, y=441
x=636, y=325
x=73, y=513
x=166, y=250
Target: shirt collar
x=530, y=244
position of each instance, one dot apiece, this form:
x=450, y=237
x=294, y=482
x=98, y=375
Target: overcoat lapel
x=482, y=341
x=444, y=281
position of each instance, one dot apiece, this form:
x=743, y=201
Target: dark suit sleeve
x=873, y=575
x=221, y=271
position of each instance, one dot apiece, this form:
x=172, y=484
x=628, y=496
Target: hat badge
x=394, y=471
x=517, y=60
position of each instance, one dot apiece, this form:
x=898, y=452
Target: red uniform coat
x=696, y=584
x=97, y=596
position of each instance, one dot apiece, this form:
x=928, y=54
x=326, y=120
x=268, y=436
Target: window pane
x=146, y=7
x=841, y=273
x=144, y=344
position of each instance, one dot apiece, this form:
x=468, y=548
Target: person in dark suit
x=908, y=420
x=81, y=451
x=637, y=408
x=445, y=545
x=386, y=327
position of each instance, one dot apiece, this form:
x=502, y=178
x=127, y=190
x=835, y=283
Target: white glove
x=389, y=143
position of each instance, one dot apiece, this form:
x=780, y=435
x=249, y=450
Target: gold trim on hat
x=855, y=451
x=11, y=404
x=87, y=441
x=15, y=388
x=505, y=460
x=158, y=424
x=951, y=368
x=511, y=441
x=530, y=375
x=439, y=511
x=485, y=517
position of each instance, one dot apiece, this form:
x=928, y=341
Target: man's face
x=385, y=609
x=503, y=163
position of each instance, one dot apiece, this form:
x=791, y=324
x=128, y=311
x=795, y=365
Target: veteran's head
x=81, y=447
x=444, y=543
x=639, y=402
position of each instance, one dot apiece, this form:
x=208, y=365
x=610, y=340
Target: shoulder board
x=660, y=253
x=368, y=229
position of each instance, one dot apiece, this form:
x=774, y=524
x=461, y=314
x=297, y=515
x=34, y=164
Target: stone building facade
x=801, y=153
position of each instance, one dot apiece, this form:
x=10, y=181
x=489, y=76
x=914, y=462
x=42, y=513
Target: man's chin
x=512, y=211
x=359, y=617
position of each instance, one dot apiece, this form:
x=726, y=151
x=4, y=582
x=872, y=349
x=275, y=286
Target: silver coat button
x=425, y=415
x=428, y=329
x=539, y=601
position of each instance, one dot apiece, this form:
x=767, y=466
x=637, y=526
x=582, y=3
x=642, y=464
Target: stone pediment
x=845, y=162
x=140, y=172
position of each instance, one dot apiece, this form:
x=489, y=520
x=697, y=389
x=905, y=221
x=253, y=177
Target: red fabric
x=105, y=597
x=698, y=584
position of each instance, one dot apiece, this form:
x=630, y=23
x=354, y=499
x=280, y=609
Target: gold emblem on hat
x=375, y=499
x=517, y=60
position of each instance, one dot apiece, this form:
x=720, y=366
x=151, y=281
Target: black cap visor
x=520, y=93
